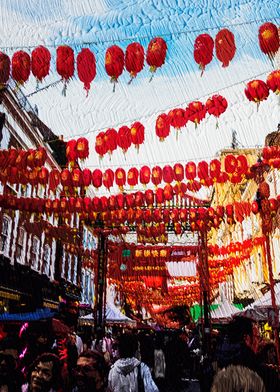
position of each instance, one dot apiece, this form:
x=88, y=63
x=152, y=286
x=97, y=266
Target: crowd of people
x=50, y=356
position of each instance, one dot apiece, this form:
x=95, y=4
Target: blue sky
x=100, y=24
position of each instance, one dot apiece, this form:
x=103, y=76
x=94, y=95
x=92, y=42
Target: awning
x=38, y=314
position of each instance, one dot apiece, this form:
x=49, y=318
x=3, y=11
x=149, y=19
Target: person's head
x=90, y=371
x=45, y=373
x=241, y=329
x=237, y=378
x=128, y=345
x=267, y=353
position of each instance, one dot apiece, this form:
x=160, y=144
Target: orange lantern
x=156, y=54
x=156, y=176
x=124, y=138
x=132, y=177
x=108, y=178
x=196, y=112
x=137, y=134
x=190, y=171
x=40, y=62
x=269, y=39
x=257, y=91
x=203, y=51
x=134, y=59
x=5, y=65
x=82, y=148
x=86, y=67
x=145, y=175
x=120, y=176
x=162, y=126
x=273, y=81
x=114, y=63
x=65, y=64
x=21, y=65
x=225, y=46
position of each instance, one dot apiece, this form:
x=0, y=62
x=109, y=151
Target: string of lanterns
x=258, y=90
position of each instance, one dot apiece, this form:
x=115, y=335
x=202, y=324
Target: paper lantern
x=190, y=171
x=54, y=179
x=145, y=175
x=130, y=200
x=215, y=168
x=112, y=203
x=120, y=200
x=255, y=207
x=273, y=81
x=40, y=157
x=162, y=126
x=150, y=197
x=21, y=66
x=156, y=54
x=114, y=63
x=196, y=112
x=139, y=199
x=225, y=46
x=5, y=65
x=242, y=164
x=168, y=174
x=124, y=138
x=110, y=138
x=40, y=62
x=159, y=196
x=100, y=144
x=86, y=67
x=77, y=178
x=43, y=176
x=230, y=163
x=178, y=171
x=156, y=176
x=257, y=91
x=132, y=177
x=137, y=134
x=216, y=106
x=134, y=59
x=120, y=178
x=96, y=204
x=269, y=39
x=71, y=152
x=203, y=51
x=202, y=170
x=82, y=148
x=264, y=190
x=65, y=64
x=108, y=178
x=66, y=178
x=97, y=178
x=168, y=192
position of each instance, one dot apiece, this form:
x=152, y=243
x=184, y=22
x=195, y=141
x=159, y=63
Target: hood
x=126, y=365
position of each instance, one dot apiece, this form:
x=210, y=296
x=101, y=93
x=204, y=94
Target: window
x=69, y=269
x=46, y=260
x=5, y=235
x=20, y=245
x=75, y=269
x=35, y=246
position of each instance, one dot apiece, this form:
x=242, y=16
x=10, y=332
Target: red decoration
x=86, y=67
x=97, y=178
x=168, y=192
x=110, y=137
x=167, y=174
x=40, y=62
x=190, y=171
x=216, y=106
x=269, y=39
x=156, y=175
x=120, y=177
x=21, y=65
x=114, y=63
x=87, y=177
x=150, y=197
x=225, y=46
x=132, y=176
x=124, y=138
x=230, y=163
x=66, y=178
x=82, y=148
x=65, y=64
x=108, y=178
x=257, y=91
x=162, y=126
x=273, y=81
x=178, y=170
x=156, y=54
x=203, y=170
x=264, y=190
x=137, y=134
x=178, y=119
x=134, y=59
x=159, y=196
x=145, y=175
x=5, y=65
x=77, y=178
x=203, y=51
x=54, y=179
x=242, y=164
x=196, y=112
x=71, y=152
x=40, y=157
x=215, y=168
x=43, y=176
x=100, y=144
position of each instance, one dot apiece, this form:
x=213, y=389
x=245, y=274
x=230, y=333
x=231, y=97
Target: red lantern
x=87, y=204
x=5, y=65
x=215, y=168
x=196, y=112
x=120, y=200
x=132, y=177
x=178, y=171
x=110, y=138
x=43, y=176
x=178, y=118
x=202, y=170
x=257, y=91
x=97, y=178
x=112, y=202
x=114, y=63
x=269, y=39
x=159, y=196
x=65, y=64
x=100, y=144
x=150, y=197
x=162, y=126
x=139, y=199
x=145, y=175
x=255, y=207
x=203, y=50
x=82, y=148
x=124, y=138
x=77, y=178
x=66, y=178
x=120, y=177
x=108, y=178
x=134, y=59
x=137, y=134
x=230, y=164
x=156, y=175
x=71, y=152
x=86, y=174
x=168, y=192
x=264, y=190
x=40, y=62
x=216, y=106
x=130, y=200
x=54, y=180
x=225, y=46
x=21, y=65
x=168, y=174
x=273, y=81
x=190, y=171
x=104, y=203
x=86, y=67
x=242, y=164
x=156, y=54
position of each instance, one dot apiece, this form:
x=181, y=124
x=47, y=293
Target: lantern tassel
x=64, y=88
x=152, y=70
x=217, y=123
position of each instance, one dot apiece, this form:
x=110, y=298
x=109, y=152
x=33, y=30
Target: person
x=159, y=364
x=9, y=375
x=237, y=378
x=44, y=374
x=90, y=372
x=268, y=369
x=128, y=374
